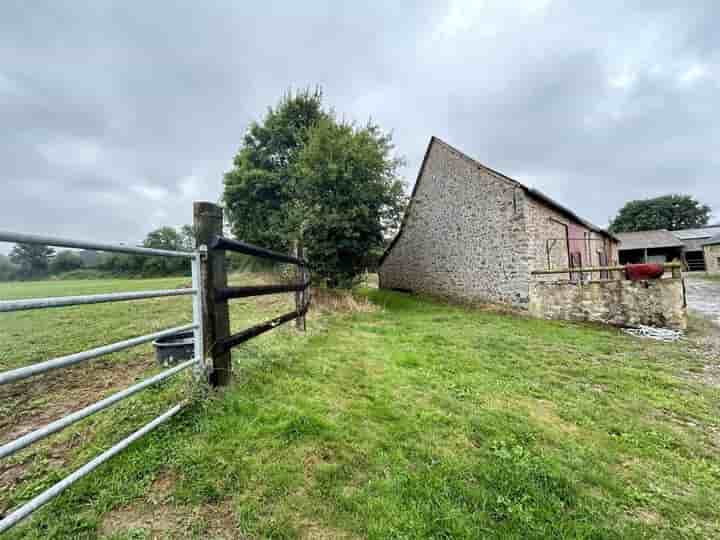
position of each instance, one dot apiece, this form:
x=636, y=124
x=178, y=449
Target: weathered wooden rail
x=676, y=269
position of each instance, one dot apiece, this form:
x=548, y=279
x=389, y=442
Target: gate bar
x=197, y=316
x=64, y=361
x=53, y=427
x=62, y=301
x=220, y=242
x=52, y=492
x=254, y=331
x=22, y=238
x=227, y=293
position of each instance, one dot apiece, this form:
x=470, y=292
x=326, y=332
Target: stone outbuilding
x=711, y=249
x=473, y=234
x=686, y=245
x=659, y=246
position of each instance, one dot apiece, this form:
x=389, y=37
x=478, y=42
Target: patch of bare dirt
x=35, y=402
x=543, y=412
x=315, y=531
x=646, y=516
x=158, y=517
x=39, y=400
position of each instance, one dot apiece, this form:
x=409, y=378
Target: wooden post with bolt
x=207, y=223
x=300, y=298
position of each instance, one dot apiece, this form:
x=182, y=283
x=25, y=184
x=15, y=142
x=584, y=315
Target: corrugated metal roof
x=701, y=232
x=537, y=194
x=714, y=240
x=648, y=239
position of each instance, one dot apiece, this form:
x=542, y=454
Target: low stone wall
x=658, y=302
x=712, y=259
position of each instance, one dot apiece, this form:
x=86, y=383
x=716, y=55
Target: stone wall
x=712, y=258
x=549, y=227
x=464, y=236
x=659, y=302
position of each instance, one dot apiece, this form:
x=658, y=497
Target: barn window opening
x=516, y=210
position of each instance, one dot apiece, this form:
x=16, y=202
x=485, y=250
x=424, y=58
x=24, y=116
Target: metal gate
x=13, y=375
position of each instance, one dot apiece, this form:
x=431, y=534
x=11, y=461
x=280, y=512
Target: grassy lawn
x=407, y=419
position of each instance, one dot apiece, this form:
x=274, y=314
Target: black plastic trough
x=174, y=349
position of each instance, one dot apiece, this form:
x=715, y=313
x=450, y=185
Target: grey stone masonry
x=472, y=234
x=656, y=302
x=712, y=258
x=464, y=236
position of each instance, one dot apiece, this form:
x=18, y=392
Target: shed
x=649, y=246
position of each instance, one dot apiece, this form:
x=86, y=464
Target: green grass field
x=406, y=419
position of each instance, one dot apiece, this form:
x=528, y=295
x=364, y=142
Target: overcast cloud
x=117, y=115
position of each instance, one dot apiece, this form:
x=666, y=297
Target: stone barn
x=473, y=234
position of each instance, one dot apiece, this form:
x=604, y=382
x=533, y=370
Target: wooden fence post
x=208, y=222
x=299, y=278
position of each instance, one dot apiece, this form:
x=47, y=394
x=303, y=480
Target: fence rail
x=72, y=359
x=675, y=267
x=224, y=344
x=228, y=293
x=254, y=331
x=226, y=244
x=21, y=238
x=64, y=301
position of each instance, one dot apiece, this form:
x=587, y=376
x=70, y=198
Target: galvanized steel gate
x=18, y=374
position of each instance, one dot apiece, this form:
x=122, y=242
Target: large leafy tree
x=33, y=259
x=303, y=174
x=348, y=194
x=671, y=212
x=257, y=188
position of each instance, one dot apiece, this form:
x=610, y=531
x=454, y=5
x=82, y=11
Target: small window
x=517, y=202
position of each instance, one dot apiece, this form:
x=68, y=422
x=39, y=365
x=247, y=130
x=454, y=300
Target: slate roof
x=702, y=232
x=714, y=240
x=648, y=239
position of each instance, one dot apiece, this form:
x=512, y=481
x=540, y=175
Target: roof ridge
x=530, y=190
x=476, y=162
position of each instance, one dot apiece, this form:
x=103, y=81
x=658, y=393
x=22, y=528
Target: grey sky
x=117, y=115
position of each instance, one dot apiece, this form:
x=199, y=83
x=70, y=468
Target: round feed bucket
x=173, y=349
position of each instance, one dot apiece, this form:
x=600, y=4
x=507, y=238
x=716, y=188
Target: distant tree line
x=30, y=261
